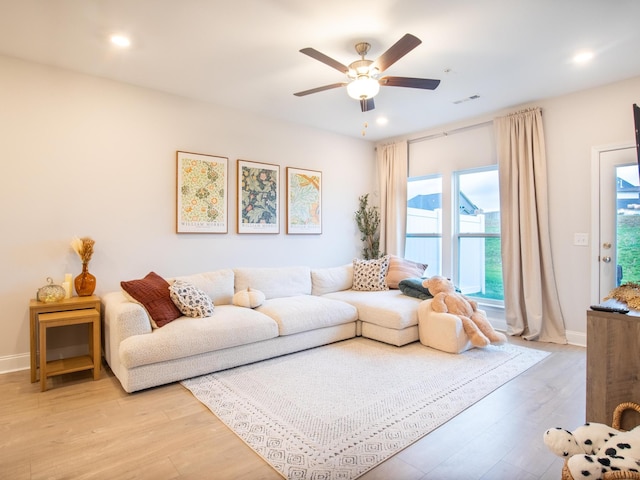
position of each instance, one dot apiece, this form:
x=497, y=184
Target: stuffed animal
x=587, y=438
x=474, y=321
x=595, y=449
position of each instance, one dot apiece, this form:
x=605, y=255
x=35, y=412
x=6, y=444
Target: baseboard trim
x=576, y=338
x=14, y=363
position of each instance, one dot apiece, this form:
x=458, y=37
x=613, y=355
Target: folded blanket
x=413, y=288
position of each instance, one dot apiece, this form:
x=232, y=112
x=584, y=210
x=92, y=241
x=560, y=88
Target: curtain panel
x=532, y=306
x=392, y=163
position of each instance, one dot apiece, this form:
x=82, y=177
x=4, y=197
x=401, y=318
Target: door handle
x=606, y=259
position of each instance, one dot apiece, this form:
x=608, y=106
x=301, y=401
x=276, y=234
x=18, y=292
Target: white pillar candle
x=67, y=289
x=68, y=280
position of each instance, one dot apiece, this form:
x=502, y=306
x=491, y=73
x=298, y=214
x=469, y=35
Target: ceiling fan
x=363, y=83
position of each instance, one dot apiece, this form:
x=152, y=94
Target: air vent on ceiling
x=472, y=97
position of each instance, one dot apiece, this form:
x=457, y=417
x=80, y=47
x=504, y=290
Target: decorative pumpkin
x=248, y=298
x=51, y=293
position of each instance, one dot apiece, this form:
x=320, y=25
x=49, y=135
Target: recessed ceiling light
x=382, y=120
x=120, y=41
x=583, y=57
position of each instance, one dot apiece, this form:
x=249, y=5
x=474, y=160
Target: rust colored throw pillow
x=400, y=269
x=152, y=292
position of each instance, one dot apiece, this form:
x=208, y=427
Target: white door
x=617, y=240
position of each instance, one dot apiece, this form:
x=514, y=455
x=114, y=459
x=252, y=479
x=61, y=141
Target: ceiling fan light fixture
x=363, y=88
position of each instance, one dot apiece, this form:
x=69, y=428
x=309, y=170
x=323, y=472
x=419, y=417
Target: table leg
x=33, y=329
x=43, y=357
x=95, y=347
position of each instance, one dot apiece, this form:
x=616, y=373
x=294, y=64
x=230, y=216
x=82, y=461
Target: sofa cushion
x=218, y=284
x=401, y=268
x=190, y=300
x=389, y=309
x=152, y=292
x=229, y=326
x=275, y=282
x=369, y=275
x=307, y=312
x=334, y=279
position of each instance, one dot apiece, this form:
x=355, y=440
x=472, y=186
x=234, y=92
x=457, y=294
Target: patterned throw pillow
x=190, y=300
x=369, y=275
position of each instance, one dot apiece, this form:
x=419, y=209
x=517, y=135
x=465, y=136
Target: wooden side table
x=36, y=309
x=89, y=316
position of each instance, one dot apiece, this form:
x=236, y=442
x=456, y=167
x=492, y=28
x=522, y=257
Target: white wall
x=83, y=156
x=573, y=125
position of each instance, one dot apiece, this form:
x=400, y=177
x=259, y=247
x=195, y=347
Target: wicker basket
x=617, y=420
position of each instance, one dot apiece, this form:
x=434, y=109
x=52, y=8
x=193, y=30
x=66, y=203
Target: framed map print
x=304, y=201
x=202, y=197
x=258, y=197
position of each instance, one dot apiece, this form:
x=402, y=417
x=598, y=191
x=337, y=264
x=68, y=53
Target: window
x=424, y=222
x=477, y=234
x=453, y=225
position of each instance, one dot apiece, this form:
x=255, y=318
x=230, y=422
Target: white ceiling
x=245, y=53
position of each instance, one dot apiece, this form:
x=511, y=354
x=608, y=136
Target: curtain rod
x=448, y=132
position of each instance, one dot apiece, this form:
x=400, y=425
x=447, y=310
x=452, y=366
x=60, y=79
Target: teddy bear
x=474, y=322
x=594, y=449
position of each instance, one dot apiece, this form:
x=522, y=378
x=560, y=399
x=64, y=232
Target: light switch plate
x=581, y=239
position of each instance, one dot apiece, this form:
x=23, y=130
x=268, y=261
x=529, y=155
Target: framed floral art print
x=258, y=197
x=202, y=198
x=304, y=201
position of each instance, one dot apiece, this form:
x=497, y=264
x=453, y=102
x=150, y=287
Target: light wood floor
x=84, y=429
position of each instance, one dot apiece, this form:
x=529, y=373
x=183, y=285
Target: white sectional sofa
x=303, y=308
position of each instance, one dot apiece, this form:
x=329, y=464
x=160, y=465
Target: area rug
x=335, y=412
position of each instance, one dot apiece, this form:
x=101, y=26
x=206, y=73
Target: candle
x=68, y=279
x=67, y=289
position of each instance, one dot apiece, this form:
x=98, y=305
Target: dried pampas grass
x=628, y=293
x=83, y=247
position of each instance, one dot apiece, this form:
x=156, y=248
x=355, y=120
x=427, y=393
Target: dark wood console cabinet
x=613, y=366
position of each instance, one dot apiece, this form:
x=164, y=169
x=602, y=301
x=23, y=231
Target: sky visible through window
x=479, y=187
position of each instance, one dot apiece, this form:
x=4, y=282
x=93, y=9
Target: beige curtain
x=392, y=163
x=532, y=308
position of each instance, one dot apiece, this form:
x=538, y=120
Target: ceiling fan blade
x=396, y=52
x=319, y=89
x=367, y=104
x=321, y=57
x=424, y=83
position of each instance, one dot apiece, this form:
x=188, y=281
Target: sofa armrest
x=122, y=319
x=442, y=331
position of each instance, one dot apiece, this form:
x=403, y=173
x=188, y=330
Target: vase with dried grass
x=85, y=283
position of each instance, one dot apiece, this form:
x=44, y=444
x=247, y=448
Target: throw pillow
x=400, y=268
x=152, y=292
x=190, y=300
x=369, y=275
x=248, y=298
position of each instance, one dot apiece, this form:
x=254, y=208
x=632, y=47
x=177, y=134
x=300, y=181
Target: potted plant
x=368, y=221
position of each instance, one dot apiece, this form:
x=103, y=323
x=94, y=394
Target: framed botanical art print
x=258, y=197
x=304, y=201
x=202, y=197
